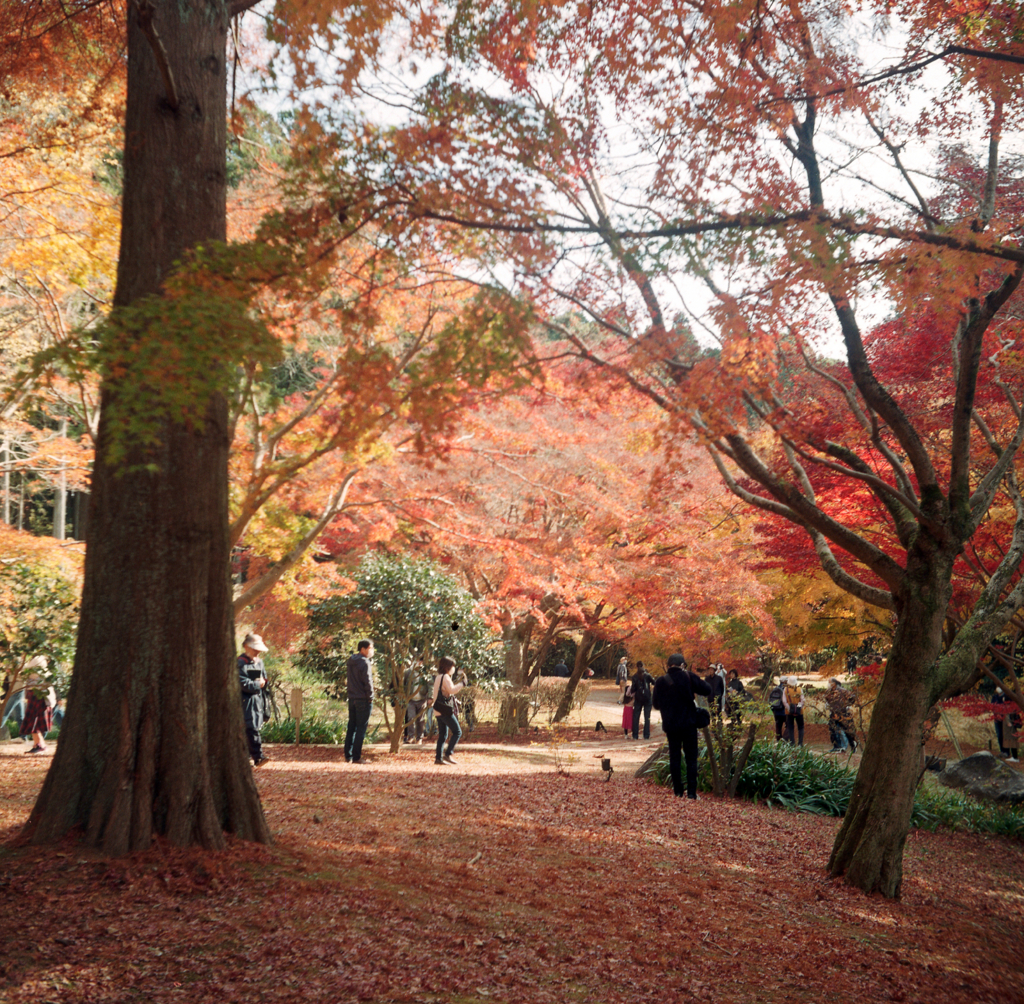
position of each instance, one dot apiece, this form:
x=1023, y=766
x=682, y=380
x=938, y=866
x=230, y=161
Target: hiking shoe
x=448, y=758
x=440, y=763
x=262, y=760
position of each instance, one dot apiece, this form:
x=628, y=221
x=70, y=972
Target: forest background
x=462, y=331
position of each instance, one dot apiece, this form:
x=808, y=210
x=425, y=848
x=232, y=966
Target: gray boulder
x=985, y=776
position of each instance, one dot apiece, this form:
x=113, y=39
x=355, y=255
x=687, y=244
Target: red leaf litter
x=501, y=880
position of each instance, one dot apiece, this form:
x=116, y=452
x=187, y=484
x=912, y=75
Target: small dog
x=599, y=727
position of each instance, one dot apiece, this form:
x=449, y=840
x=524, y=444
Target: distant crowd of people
x=435, y=707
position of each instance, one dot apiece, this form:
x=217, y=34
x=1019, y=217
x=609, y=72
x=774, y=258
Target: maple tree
x=385, y=362
x=543, y=504
x=760, y=150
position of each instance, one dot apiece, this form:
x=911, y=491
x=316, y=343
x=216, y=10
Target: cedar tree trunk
x=154, y=738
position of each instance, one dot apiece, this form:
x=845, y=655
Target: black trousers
x=358, y=718
x=795, y=718
x=683, y=740
x=252, y=737
x=645, y=707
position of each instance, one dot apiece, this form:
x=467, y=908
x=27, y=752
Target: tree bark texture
x=154, y=743
x=579, y=666
x=868, y=849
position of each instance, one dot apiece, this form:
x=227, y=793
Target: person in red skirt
x=627, y=710
x=40, y=699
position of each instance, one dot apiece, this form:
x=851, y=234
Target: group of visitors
x=444, y=705
x=725, y=696
x=680, y=695
x=420, y=717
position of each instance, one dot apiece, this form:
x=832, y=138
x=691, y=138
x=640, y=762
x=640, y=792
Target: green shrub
x=796, y=778
x=315, y=730
x=934, y=808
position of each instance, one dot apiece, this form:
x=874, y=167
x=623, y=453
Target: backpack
x=794, y=697
x=775, y=699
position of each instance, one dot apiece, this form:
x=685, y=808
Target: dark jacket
x=641, y=684
x=360, y=679
x=254, y=697
x=673, y=697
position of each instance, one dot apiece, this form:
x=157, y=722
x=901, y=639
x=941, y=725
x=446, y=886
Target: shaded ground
x=502, y=880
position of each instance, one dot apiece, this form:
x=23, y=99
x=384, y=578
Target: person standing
x=622, y=678
x=793, y=699
x=359, y=678
x=840, y=722
x=416, y=690
x=252, y=677
x=775, y=702
x=642, y=698
x=673, y=697
x=1007, y=726
x=716, y=681
x=40, y=700
x=718, y=685
x=999, y=698
x=627, y=710
x=468, y=698
x=446, y=710
x=735, y=696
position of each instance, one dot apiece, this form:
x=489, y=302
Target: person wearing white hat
x=252, y=676
x=793, y=699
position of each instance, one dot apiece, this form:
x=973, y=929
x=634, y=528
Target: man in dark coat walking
x=673, y=697
x=252, y=677
x=360, y=700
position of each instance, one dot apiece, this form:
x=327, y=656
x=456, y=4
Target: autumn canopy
x=506, y=281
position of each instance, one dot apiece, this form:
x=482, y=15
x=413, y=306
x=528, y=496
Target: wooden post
x=297, y=710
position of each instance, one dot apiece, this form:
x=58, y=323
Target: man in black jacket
x=673, y=697
x=360, y=700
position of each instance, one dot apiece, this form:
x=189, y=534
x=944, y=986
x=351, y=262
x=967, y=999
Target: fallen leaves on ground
x=501, y=880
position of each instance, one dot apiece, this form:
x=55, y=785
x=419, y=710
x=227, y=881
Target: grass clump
x=315, y=729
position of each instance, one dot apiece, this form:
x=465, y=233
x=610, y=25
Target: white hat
x=37, y=662
x=254, y=641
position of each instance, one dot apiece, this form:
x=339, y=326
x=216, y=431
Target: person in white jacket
x=446, y=711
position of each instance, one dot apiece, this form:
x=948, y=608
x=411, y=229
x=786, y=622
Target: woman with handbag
x=446, y=710
x=681, y=718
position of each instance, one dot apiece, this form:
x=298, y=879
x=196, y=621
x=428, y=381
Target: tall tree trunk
x=868, y=849
x=583, y=651
x=154, y=739
x=514, y=654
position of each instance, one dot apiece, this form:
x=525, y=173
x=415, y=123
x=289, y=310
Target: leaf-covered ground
x=501, y=880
